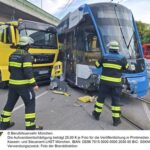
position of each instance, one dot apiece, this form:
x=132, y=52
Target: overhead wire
x=68, y=4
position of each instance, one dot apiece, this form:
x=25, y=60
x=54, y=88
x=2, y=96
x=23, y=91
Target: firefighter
x=110, y=82
x=21, y=83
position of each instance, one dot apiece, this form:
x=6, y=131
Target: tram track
x=127, y=120
x=143, y=102
x=125, y=117
x=139, y=98
x=132, y=123
x=141, y=108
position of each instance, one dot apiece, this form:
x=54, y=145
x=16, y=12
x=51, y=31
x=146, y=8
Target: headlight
x=132, y=67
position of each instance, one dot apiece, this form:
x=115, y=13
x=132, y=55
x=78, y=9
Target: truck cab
x=44, y=50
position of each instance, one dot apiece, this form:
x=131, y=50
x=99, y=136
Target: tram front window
x=92, y=43
x=88, y=49
x=115, y=23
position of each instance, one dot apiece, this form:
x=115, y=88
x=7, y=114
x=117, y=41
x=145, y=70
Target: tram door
x=70, y=62
x=87, y=52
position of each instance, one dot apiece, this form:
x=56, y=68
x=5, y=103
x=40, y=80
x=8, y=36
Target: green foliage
x=144, y=31
x=147, y=37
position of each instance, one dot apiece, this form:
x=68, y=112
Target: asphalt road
x=59, y=112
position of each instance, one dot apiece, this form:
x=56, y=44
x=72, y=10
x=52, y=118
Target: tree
x=144, y=31
x=147, y=37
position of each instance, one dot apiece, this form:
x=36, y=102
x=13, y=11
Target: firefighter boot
x=6, y=125
x=39, y=128
x=35, y=127
x=95, y=115
x=116, y=121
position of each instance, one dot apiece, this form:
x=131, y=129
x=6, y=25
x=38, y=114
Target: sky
x=59, y=8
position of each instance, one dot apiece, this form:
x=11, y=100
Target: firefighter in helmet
x=21, y=83
x=110, y=81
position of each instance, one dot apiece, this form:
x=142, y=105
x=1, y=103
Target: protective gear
x=21, y=83
x=97, y=109
x=38, y=128
x=116, y=122
x=115, y=93
x=25, y=40
x=112, y=64
x=20, y=67
x=111, y=82
x=113, y=45
x=28, y=96
x=95, y=115
x=5, y=126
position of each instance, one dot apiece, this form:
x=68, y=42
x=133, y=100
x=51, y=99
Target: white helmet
x=25, y=40
x=114, y=45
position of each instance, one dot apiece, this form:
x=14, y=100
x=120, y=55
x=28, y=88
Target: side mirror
x=52, y=30
x=13, y=45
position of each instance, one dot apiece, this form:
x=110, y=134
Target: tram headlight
x=132, y=67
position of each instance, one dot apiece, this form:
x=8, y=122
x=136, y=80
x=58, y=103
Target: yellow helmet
x=114, y=45
x=25, y=40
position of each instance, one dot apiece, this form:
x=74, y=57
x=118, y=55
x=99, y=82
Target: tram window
x=87, y=39
x=80, y=41
x=74, y=41
x=92, y=43
x=69, y=41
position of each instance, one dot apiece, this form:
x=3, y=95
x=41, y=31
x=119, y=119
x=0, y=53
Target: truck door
x=7, y=37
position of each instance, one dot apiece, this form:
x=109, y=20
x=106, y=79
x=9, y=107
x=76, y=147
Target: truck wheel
x=3, y=85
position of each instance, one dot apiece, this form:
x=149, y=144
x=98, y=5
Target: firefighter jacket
x=112, y=65
x=20, y=68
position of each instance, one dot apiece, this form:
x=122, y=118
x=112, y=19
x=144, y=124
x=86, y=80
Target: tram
x=85, y=34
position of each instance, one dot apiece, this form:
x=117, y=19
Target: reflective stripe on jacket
x=20, y=67
x=113, y=65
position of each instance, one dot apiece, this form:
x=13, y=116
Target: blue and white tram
x=85, y=34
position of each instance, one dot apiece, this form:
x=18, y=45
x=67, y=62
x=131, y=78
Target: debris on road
x=87, y=99
x=61, y=92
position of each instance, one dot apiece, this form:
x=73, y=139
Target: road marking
x=20, y=106
x=147, y=111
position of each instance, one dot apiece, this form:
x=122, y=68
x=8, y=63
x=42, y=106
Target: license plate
x=43, y=72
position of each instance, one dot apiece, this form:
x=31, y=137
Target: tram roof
x=73, y=18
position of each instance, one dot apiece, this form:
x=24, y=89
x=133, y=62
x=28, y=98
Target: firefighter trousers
x=114, y=92
x=28, y=97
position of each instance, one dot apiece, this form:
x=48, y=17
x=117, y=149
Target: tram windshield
x=115, y=23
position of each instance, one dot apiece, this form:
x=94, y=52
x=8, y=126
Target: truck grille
x=42, y=58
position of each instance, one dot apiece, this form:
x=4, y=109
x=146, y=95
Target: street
x=59, y=112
